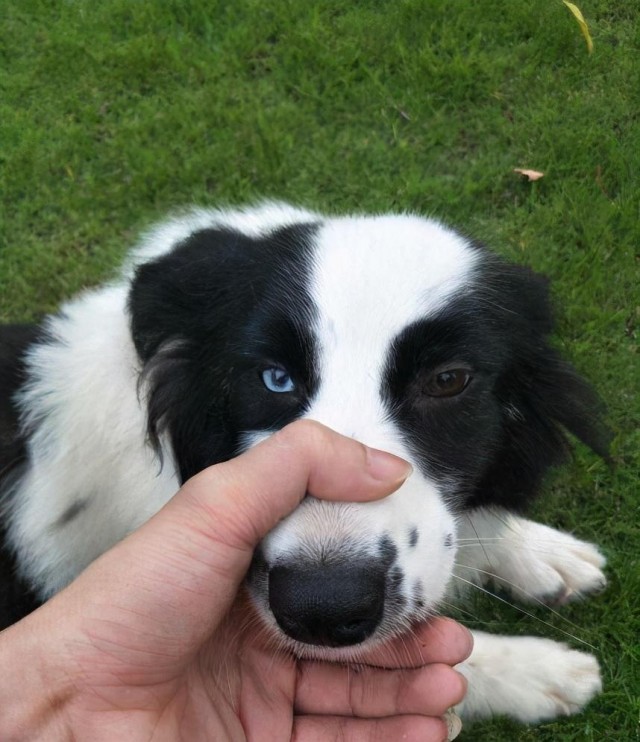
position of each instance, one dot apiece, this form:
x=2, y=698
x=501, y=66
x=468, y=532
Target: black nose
x=333, y=606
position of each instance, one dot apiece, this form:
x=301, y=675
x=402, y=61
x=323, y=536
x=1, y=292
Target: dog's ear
x=194, y=314
x=188, y=290
x=183, y=306
x=542, y=396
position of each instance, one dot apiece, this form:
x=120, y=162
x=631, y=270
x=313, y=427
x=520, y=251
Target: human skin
x=156, y=640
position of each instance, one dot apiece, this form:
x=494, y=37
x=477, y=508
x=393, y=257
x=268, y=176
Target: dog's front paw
x=533, y=562
x=527, y=678
x=550, y=565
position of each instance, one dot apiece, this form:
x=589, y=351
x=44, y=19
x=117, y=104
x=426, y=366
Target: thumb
x=180, y=571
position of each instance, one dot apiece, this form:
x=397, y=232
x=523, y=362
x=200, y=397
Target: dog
x=225, y=325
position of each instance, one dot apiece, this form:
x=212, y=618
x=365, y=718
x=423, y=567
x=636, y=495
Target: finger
x=438, y=640
x=267, y=482
x=344, y=729
x=372, y=693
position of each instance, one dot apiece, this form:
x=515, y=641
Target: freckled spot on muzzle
x=388, y=550
x=72, y=512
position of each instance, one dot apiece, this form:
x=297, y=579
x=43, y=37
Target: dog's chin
x=356, y=653
x=362, y=653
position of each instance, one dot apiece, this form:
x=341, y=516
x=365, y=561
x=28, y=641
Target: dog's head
x=394, y=330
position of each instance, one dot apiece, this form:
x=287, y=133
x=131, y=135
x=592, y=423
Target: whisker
x=523, y=611
x=458, y=609
x=479, y=540
x=470, y=519
x=529, y=595
x=535, y=547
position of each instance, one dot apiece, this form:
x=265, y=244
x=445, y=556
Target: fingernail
x=386, y=467
x=469, y=638
x=454, y=725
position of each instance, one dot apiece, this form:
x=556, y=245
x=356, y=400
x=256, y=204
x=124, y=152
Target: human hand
x=152, y=641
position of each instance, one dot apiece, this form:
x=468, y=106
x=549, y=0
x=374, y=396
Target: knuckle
x=305, y=433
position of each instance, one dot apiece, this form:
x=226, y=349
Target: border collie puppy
x=226, y=325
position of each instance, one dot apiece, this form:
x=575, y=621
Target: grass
x=112, y=113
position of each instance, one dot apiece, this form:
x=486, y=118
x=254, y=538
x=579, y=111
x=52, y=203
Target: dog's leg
x=533, y=562
x=526, y=678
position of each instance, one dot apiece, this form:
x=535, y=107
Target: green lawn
x=113, y=112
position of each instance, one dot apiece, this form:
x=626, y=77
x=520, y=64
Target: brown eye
x=447, y=383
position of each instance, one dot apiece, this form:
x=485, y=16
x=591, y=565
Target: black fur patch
x=16, y=599
x=492, y=443
x=207, y=319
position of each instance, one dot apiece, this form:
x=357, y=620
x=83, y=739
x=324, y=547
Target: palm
x=236, y=688
x=139, y=688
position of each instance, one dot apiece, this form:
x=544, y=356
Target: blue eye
x=277, y=379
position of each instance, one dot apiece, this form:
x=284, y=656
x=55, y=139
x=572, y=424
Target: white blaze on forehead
x=372, y=278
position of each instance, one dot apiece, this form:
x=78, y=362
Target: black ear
x=542, y=397
x=194, y=314
x=183, y=308
x=191, y=290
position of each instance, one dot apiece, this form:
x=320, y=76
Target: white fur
x=527, y=678
x=88, y=446
x=532, y=561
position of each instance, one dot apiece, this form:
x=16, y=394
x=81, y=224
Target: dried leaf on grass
x=530, y=174
x=577, y=14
